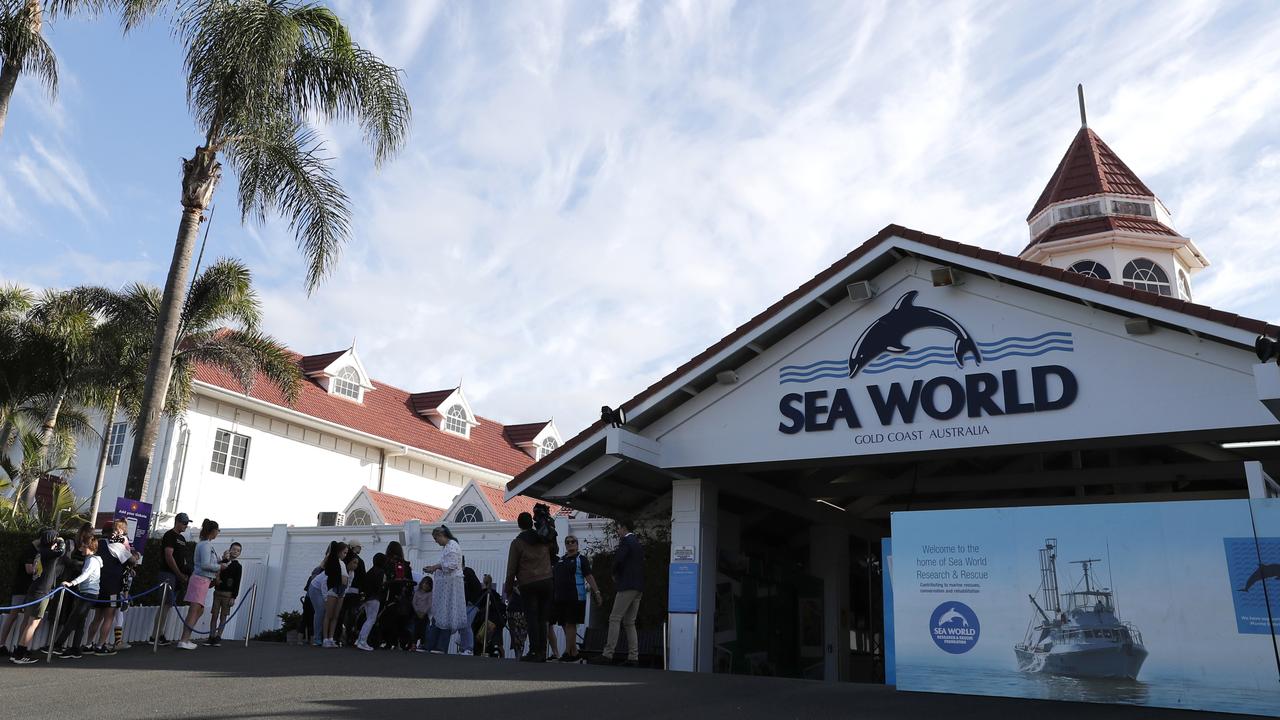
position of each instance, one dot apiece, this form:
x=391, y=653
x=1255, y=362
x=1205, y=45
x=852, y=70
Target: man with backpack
x=571, y=580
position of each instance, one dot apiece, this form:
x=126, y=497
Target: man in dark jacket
x=529, y=568
x=628, y=576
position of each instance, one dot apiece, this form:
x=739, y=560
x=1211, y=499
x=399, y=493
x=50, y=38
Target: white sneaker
x=361, y=645
x=185, y=645
x=329, y=643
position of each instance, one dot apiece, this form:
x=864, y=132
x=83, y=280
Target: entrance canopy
x=919, y=372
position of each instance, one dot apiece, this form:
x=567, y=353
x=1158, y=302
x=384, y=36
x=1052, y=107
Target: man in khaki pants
x=628, y=576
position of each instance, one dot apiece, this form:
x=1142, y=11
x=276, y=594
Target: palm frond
x=280, y=168
x=21, y=41
x=222, y=293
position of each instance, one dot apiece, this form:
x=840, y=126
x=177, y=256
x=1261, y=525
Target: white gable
x=1051, y=370
x=470, y=497
x=361, y=503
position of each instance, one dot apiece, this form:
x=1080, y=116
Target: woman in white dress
x=448, y=599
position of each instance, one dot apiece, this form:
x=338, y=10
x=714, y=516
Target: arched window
x=546, y=447
x=346, y=383
x=1144, y=274
x=468, y=513
x=1184, y=284
x=1090, y=268
x=455, y=421
x=359, y=517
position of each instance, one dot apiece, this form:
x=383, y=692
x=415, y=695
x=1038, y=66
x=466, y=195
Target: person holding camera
x=529, y=570
x=225, y=593
x=50, y=550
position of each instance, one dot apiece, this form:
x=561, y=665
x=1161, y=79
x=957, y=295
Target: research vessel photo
x=1078, y=633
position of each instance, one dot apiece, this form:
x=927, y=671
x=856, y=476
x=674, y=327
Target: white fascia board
x=393, y=447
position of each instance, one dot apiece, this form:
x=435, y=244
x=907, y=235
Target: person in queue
x=529, y=570
x=50, y=552
x=206, y=567
x=491, y=618
x=572, y=580
x=422, y=615
x=448, y=597
x=24, y=572
x=372, y=586
x=86, y=583
x=117, y=555
x=337, y=575
x=347, y=628
x=225, y=593
x=398, y=614
x=313, y=607
x=176, y=565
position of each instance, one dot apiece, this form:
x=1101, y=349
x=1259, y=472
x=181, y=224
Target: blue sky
x=593, y=192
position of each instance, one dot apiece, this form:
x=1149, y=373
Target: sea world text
x=1053, y=387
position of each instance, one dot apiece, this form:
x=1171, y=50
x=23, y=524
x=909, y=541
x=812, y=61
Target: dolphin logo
x=887, y=333
x=1262, y=573
x=951, y=615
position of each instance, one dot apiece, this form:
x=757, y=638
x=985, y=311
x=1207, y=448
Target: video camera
x=543, y=524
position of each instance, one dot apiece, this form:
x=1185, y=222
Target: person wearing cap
x=177, y=565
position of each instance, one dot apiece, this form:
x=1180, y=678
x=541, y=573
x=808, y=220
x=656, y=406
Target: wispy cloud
x=58, y=179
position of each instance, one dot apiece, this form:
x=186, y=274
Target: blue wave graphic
x=1057, y=340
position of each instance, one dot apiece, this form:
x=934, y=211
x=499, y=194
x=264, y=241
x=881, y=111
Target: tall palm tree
x=219, y=326
x=23, y=48
x=257, y=72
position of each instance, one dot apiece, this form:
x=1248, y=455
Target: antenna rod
x=1084, y=123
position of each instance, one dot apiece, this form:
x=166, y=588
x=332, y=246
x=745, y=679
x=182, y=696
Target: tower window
x=547, y=447
x=455, y=421
x=1144, y=274
x=1127, y=207
x=468, y=514
x=347, y=384
x=359, y=517
x=1090, y=268
x=1072, y=212
x=1184, y=285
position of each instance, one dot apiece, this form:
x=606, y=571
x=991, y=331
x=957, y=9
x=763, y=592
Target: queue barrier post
x=253, y=607
x=484, y=627
x=665, y=661
x=155, y=636
x=53, y=634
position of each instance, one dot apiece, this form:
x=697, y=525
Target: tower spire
x=1084, y=123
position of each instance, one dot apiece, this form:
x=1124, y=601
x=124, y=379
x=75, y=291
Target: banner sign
x=138, y=515
x=1132, y=603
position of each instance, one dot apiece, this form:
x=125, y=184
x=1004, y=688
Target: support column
x=268, y=609
x=829, y=558
x=694, y=511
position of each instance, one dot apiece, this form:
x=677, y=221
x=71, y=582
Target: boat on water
x=1078, y=633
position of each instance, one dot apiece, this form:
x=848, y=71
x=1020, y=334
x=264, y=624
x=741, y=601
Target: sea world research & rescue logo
x=954, y=627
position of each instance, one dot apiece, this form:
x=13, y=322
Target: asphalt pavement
x=269, y=680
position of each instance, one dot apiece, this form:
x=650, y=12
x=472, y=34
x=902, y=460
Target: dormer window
x=1144, y=274
x=455, y=421
x=347, y=384
x=547, y=447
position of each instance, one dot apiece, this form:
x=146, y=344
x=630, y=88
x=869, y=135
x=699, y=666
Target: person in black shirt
x=225, y=594
x=23, y=572
x=571, y=581
x=176, y=564
x=51, y=549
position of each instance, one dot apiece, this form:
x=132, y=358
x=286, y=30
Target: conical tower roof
x=1089, y=168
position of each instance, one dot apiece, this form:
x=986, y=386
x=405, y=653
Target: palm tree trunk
x=44, y=438
x=200, y=177
x=96, y=498
x=8, y=80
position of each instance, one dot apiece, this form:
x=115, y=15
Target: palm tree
x=23, y=48
x=257, y=71
x=219, y=326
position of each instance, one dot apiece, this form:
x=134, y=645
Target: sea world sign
x=882, y=348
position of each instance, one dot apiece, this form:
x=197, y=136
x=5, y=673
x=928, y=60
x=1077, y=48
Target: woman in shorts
x=116, y=556
x=205, y=573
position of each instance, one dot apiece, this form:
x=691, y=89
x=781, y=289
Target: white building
x=253, y=460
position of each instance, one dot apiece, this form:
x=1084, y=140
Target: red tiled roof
x=1093, y=225
x=1089, y=168
x=509, y=511
x=316, y=363
x=421, y=402
x=1187, y=308
x=517, y=434
x=386, y=412
x=395, y=509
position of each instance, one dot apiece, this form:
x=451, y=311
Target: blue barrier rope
x=37, y=601
x=235, y=612
x=99, y=601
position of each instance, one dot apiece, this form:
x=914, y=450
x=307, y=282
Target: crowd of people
x=384, y=604
x=346, y=602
